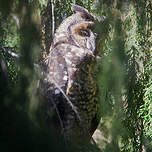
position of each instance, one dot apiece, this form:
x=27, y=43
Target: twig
x=9, y=52
x=16, y=19
x=93, y=141
x=70, y=103
x=17, y=56
x=53, y=20
x=58, y=114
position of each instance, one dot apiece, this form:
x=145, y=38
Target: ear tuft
x=84, y=12
x=78, y=8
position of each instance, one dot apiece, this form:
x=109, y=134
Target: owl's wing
x=58, y=79
x=57, y=74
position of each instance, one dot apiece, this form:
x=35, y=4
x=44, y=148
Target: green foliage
x=146, y=111
x=9, y=41
x=125, y=78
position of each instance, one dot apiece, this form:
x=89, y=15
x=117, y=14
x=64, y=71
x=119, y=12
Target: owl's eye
x=84, y=32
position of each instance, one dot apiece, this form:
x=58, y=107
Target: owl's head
x=80, y=31
x=76, y=29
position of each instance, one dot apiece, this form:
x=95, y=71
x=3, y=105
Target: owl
x=69, y=83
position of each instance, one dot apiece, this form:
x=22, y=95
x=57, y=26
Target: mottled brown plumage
x=69, y=84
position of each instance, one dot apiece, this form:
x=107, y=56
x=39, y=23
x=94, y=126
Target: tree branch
x=8, y=51
x=53, y=20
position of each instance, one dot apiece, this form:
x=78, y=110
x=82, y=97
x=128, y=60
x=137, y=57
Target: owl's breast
x=83, y=92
